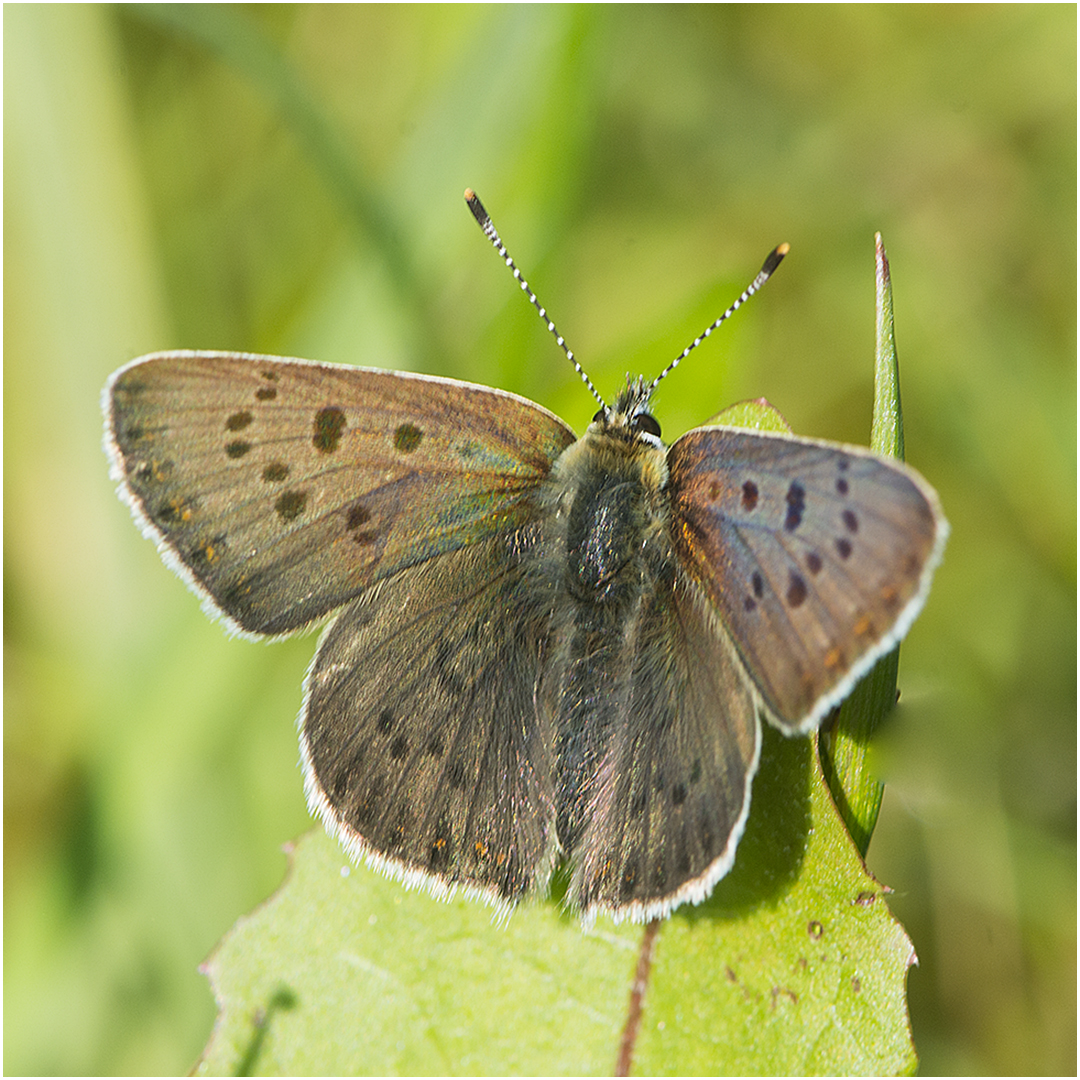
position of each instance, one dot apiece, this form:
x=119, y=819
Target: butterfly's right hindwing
x=672, y=789
x=280, y=489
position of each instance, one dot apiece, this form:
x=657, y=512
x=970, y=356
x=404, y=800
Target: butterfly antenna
x=771, y=263
x=485, y=223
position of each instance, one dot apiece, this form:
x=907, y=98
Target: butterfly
x=540, y=647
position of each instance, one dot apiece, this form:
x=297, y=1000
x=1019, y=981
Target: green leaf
x=757, y=415
x=371, y=978
x=793, y=965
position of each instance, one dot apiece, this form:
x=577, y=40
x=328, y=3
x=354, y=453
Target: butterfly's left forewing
x=816, y=556
x=279, y=489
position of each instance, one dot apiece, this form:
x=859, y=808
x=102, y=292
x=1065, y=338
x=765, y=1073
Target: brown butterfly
x=541, y=646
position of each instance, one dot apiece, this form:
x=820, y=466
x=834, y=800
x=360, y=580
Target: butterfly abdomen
x=612, y=522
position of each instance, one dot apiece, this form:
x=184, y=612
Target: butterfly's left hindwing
x=425, y=749
x=279, y=489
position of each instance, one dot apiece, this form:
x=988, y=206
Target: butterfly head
x=629, y=418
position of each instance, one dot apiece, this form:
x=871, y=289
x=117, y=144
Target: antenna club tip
x=477, y=208
x=776, y=256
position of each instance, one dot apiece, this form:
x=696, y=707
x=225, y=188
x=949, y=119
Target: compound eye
x=647, y=423
x=600, y=415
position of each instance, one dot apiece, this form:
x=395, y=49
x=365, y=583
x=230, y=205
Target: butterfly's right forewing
x=816, y=556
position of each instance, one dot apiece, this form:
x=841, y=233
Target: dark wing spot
x=629, y=880
x=266, y=393
x=707, y=838
x=716, y=489
x=842, y=486
x=796, y=593
x=435, y=746
x=843, y=547
x=345, y=774
x=237, y=448
x=749, y=495
x=329, y=424
x=749, y=603
x=238, y=421
x=290, y=505
x=356, y=518
x=695, y=771
x=813, y=562
x=407, y=438
x=678, y=794
x=399, y=748
x=758, y=584
x=456, y=774
x=682, y=855
x=270, y=375
x=796, y=504
x=368, y=802
x=385, y=722
x=851, y=522
x=275, y=472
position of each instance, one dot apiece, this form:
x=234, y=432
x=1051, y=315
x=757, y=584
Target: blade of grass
x=844, y=744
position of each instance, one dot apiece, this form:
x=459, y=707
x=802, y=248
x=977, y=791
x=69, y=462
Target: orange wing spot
x=834, y=658
x=481, y=849
x=890, y=595
x=863, y=626
x=440, y=843
x=688, y=537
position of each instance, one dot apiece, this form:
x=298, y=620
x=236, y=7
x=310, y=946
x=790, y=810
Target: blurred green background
x=289, y=180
